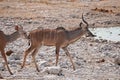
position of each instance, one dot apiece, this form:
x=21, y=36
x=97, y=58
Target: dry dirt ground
x=94, y=59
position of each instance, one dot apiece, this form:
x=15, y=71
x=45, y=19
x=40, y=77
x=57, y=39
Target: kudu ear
x=18, y=28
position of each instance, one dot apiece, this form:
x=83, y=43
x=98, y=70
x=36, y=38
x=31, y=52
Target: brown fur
x=4, y=39
x=59, y=37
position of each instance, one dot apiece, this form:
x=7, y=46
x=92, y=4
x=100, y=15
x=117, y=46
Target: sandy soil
x=94, y=59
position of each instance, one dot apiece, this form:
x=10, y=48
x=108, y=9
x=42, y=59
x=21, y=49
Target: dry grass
x=102, y=10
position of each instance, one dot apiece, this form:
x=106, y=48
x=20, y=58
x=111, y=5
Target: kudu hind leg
x=68, y=54
x=6, y=62
x=33, y=56
x=25, y=55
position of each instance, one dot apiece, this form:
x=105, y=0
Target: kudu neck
x=75, y=34
x=13, y=36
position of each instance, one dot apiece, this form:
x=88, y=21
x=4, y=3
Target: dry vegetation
x=69, y=9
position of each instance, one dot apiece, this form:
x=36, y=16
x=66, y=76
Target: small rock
x=13, y=65
x=50, y=77
x=74, y=16
x=97, y=40
x=43, y=64
x=100, y=61
x=2, y=67
x=91, y=44
x=117, y=61
x=110, y=32
x=64, y=64
x=14, y=57
x=56, y=70
x=118, y=14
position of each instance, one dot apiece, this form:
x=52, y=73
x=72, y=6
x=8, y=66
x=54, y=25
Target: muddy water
x=111, y=34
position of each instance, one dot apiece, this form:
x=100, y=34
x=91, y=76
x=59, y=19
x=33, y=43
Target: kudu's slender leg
x=4, y=56
x=25, y=55
x=33, y=56
x=68, y=54
x=57, y=54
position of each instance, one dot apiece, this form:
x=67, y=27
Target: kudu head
x=87, y=32
x=21, y=32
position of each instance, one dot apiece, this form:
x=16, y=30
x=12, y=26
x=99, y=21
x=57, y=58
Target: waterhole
x=110, y=34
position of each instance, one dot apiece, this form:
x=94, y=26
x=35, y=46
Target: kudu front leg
x=57, y=54
x=5, y=58
x=25, y=56
x=68, y=54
